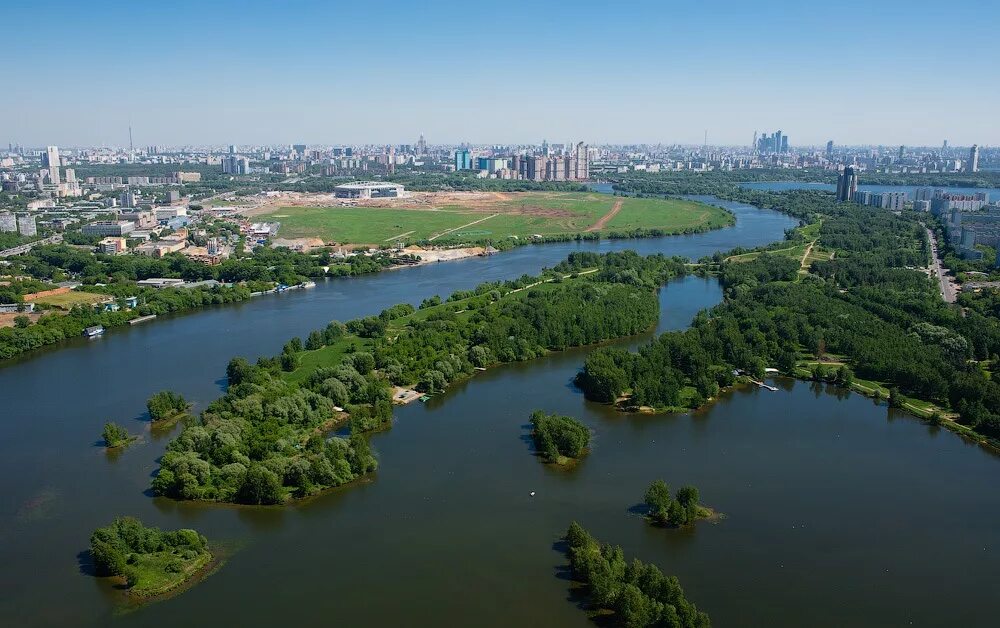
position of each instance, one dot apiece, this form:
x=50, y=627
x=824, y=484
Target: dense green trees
x=638, y=594
x=150, y=560
x=262, y=442
x=867, y=304
x=557, y=437
x=166, y=404
x=115, y=435
x=52, y=328
x=679, y=510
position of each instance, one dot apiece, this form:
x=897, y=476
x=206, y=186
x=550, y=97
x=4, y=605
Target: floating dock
x=142, y=319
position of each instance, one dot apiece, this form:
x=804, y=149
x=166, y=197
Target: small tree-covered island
x=559, y=439
x=115, y=436
x=266, y=440
x=166, y=406
x=636, y=594
x=680, y=510
x=148, y=561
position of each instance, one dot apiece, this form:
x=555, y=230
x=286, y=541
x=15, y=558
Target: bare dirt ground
x=429, y=255
x=298, y=244
x=7, y=318
x=606, y=218
x=484, y=202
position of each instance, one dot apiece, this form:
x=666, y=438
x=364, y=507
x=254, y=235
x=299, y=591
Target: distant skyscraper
x=829, y=149
x=902, y=151
x=581, y=154
x=784, y=143
x=421, y=145
x=232, y=149
x=51, y=159
x=973, y=159
x=463, y=160
x=847, y=184
x=235, y=164
x=944, y=146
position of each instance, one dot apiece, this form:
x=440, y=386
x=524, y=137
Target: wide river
x=838, y=511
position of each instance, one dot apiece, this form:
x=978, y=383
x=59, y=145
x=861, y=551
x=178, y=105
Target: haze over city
x=381, y=72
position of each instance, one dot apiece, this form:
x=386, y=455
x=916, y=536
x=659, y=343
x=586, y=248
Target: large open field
x=456, y=218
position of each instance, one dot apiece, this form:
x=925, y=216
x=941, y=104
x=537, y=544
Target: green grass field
x=520, y=215
x=668, y=214
x=67, y=300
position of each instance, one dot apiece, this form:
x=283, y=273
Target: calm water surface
x=838, y=512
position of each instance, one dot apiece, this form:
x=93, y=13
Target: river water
x=839, y=512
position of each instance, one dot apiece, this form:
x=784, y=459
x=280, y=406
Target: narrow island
x=148, y=562
x=166, y=408
x=559, y=440
x=115, y=436
x=268, y=439
x=680, y=510
x=628, y=593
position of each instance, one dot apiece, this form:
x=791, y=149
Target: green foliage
x=149, y=559
x=678, y=511
x=115, y=435
x=637, y=593
x=269, y=421
x=166, y=404
x=557, y=436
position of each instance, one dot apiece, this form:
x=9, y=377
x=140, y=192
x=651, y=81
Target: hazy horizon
x=382, y=73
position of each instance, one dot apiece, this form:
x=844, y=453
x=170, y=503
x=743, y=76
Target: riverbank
x=434, y=456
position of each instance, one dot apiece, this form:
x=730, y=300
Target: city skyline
x=645, y=73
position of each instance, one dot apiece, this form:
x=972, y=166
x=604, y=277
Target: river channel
x=838, y=511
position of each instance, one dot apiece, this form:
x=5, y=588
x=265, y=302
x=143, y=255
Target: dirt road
x=606, y=218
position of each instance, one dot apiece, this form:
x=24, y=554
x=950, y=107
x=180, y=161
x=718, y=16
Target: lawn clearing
x=520, y=215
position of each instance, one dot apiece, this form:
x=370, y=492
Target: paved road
x=24, y=248
x=947, y=287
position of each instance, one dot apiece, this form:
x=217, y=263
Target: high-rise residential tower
x=52, y=163
x=581, y=153
x=847, y=184
x=973, y=159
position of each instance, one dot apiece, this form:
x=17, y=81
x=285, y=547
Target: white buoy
x=532, y=493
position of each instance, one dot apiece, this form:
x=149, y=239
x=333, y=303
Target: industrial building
x=369, y=189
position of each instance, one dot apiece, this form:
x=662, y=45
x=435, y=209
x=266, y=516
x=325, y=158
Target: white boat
x=94, y=332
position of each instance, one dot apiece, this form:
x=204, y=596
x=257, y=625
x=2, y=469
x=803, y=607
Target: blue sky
x=884, y=72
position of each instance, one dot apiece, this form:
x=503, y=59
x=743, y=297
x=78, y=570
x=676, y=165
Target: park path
x=402, y=235
x=606, y=218
x=447, y=231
